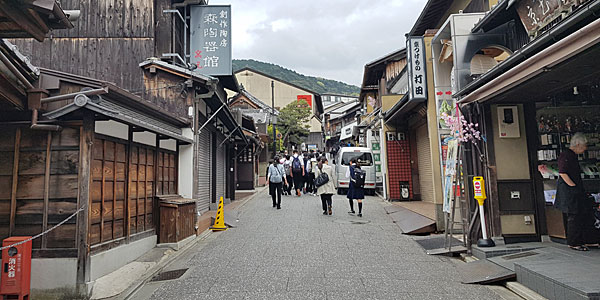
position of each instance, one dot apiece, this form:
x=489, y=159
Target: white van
x=364, y=158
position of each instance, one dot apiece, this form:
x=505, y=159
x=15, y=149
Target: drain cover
x=519, y=255
x=169, y=275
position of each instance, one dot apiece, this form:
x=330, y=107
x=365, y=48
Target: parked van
x=364, y=158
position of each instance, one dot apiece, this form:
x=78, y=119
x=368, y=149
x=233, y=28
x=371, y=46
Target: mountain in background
x=315, y=84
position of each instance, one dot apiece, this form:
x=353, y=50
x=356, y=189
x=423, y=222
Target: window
x=363, y=158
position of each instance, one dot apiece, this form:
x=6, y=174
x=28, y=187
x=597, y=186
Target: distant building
x=258, y=84
x=331, y=99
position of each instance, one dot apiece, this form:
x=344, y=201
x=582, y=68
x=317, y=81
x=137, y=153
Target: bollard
x=479, y=194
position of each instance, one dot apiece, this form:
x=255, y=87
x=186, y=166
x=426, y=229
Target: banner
x=450, y=173
x=210, y=39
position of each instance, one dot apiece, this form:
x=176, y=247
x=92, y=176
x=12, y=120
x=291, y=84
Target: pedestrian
x=276, y=179
x=314, y=161
x=570, y=195
x=307, y=169
x=325, y=188
x=297, y=172
x=356, y=187
x=287, y=166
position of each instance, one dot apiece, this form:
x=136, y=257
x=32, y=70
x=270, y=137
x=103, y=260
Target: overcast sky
x=333, y=39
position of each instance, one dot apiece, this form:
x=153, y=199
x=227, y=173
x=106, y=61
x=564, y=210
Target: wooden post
x=114, y=200
x=102, y=189
x=128, y=182
x=83, y=199
x=46, y=189
x=15, y=179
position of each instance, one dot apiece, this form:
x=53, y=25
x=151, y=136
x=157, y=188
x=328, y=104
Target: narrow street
x=298, y=253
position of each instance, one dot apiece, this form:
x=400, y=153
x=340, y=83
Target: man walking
x=297, y=172
x=276, y=178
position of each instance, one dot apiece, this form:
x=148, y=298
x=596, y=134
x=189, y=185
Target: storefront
x=529, y=109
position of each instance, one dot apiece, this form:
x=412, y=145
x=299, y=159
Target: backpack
x=360, y=177
x=276, y=176
x=296, y=165
x=322, y=179
x=287, y=169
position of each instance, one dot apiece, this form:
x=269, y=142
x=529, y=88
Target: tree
x=279, y=143
x=293, y=121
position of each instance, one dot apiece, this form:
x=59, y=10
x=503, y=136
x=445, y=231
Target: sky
x=333, y=39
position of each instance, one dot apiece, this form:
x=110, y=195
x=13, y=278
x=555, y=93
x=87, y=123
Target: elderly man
x=570, y=194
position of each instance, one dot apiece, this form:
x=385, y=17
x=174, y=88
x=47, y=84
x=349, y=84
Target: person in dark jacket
x=570, y=194
x=354, y=191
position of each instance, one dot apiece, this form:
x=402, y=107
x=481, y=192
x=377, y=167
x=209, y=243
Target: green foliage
x=293, y=120
x=318, y=85
x=278, y=143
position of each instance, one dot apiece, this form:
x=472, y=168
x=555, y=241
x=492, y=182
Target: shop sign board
x=417, y=83
x=210, y=39
x=536, y=14
x=375, y=146
x=450, y=173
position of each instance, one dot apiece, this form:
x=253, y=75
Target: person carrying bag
x=276, y=178
x=325, y=184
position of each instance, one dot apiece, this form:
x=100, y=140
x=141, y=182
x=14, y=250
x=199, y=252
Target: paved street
x=298, y=253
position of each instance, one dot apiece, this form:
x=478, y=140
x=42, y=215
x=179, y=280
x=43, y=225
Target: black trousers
x=575, y=228
x=326, y=201
x=275, y=189
x=310, y=177
x=290, y=181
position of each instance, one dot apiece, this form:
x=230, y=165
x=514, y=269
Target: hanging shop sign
x=536, y=14
x=211, y=39
x=417, y=83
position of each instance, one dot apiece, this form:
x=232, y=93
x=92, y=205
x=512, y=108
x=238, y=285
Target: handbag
x=322, y=179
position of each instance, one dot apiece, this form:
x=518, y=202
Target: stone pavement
x=298, y=253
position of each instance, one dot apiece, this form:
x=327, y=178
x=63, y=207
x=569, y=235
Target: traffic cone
x=219, y=219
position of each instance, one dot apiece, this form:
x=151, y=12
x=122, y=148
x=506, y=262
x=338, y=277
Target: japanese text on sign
x=211, y=39
x=12, y=267
x=417, y=82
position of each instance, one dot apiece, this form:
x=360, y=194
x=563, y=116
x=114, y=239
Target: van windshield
x=362, y=158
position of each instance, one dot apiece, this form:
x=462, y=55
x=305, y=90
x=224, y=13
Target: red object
x=307, y=98
x=16, y=269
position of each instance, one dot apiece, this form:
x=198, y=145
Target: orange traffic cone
x=219, y=219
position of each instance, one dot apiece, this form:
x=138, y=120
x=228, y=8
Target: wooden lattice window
x=108, y=211
x=141, y=181
x=166, y=173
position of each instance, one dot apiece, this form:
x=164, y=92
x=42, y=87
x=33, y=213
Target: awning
x=547, y=63
x=347, y=131
x=120, y=112
x=399, y=111
x=225, y=116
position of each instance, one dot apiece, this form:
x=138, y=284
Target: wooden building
x=109, y=135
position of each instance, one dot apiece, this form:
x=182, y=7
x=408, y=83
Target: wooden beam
x=102, y=191
x=23, y=20
x=46, y=190
x=15, y=179
x=128, y=182
x=83, y=199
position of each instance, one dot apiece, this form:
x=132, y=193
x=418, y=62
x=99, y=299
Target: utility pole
x=273, y=117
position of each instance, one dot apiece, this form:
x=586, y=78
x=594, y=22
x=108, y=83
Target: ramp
x=410, y=222
x=484, y=272
x=435, y=245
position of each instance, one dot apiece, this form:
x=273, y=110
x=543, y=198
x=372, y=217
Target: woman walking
x=325, y=189
x=276, y=178
x=355, y=189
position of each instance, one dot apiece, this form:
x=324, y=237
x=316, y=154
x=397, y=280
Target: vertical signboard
x=211, y=39
x=417, y=80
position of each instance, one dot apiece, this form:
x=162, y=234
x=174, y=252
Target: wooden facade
x=39, y=185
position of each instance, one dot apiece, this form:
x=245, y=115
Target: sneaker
x=360, y=215
x=325, y=212
x=351, y=212
x=278, y=207
x=330, y=212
